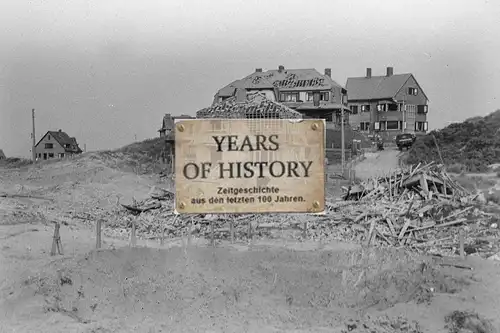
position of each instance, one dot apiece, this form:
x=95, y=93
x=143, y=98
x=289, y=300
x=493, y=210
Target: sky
x=106, y=71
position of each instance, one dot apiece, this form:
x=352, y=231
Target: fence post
x=98, y=234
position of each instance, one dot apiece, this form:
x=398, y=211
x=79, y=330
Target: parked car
x=405, y=140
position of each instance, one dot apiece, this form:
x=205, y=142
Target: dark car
x=405, y=140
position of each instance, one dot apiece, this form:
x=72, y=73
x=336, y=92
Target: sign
x=249, y=166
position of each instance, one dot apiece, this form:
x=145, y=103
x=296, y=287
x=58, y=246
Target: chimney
x=258, y=70
x=60, y=130
x=390, y=71
x=368, y=73
x=241, y=95
x=328, y=72
x=281, y=68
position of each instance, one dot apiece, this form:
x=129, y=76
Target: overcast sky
x=106, y=71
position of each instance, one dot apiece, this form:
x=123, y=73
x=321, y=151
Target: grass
x=15, y=162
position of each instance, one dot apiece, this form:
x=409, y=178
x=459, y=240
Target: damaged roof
x=375, y=87
x=256, y=105
x=285, y=80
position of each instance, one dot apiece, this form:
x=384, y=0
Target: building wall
x=411, y=116
x=57, y=149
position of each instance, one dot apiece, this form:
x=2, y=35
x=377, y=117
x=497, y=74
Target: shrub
x=473, y=144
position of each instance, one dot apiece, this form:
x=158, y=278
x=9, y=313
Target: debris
x=467, y=321
x=420, y=208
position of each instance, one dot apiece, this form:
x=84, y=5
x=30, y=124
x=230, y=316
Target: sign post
x=248, y=166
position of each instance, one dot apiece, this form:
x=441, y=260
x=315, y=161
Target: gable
x=412, y=82
x=51, y=141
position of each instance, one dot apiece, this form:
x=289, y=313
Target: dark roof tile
x=376, y=87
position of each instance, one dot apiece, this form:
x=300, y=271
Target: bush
x=15, y=162
x=469, y=146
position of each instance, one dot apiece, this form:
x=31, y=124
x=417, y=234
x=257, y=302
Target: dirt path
x=377, y=164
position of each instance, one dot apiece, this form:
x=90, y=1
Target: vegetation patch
x=471, y=146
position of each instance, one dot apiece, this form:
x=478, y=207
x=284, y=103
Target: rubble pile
x=421, y=208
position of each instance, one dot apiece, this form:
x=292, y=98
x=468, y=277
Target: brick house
x=387, y=105
x=56, y=144
x=307, y=91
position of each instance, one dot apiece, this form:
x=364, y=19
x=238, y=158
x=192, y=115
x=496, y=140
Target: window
x=51, y=155
x=392, y=125
x=413, y=91
x=289, y=97
x=49, y=145
x=421, y=126
x=39, y=154
x=365, y=108
x=67, y=145
x=422, y=109
x=323, y=96
x=381, y=107
x=354, y=109
x=61, y=155
x=392, y=107
x=48, y=137
x=364, y=126
x=376, y=126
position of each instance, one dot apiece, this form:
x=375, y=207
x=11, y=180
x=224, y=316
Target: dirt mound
x=217, y=289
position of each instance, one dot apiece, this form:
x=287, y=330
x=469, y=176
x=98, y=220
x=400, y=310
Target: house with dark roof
x=168, y=123
x=387, y=105
x=56, y=144
x=307, y=91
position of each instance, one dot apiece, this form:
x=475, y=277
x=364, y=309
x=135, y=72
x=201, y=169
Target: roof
x=169, y=121
x=255, y=106
x=64, y=139
x=286, y=80
x=376, y=87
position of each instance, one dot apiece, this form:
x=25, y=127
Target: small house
x=56, y=144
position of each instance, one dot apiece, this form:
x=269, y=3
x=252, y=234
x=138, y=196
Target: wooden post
x=133, y=239
x=212, y=229
x=33, y=150
x=56, y=241
x=231, y=231
x=190, y=231
x=98, y=234
x=462, y=242
x=249, y=235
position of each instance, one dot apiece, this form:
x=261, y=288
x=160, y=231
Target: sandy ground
x=264, y=286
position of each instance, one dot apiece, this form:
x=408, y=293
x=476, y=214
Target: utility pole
x=342, y=140
x=33, y=153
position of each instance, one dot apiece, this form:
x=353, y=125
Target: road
x=377, y=164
